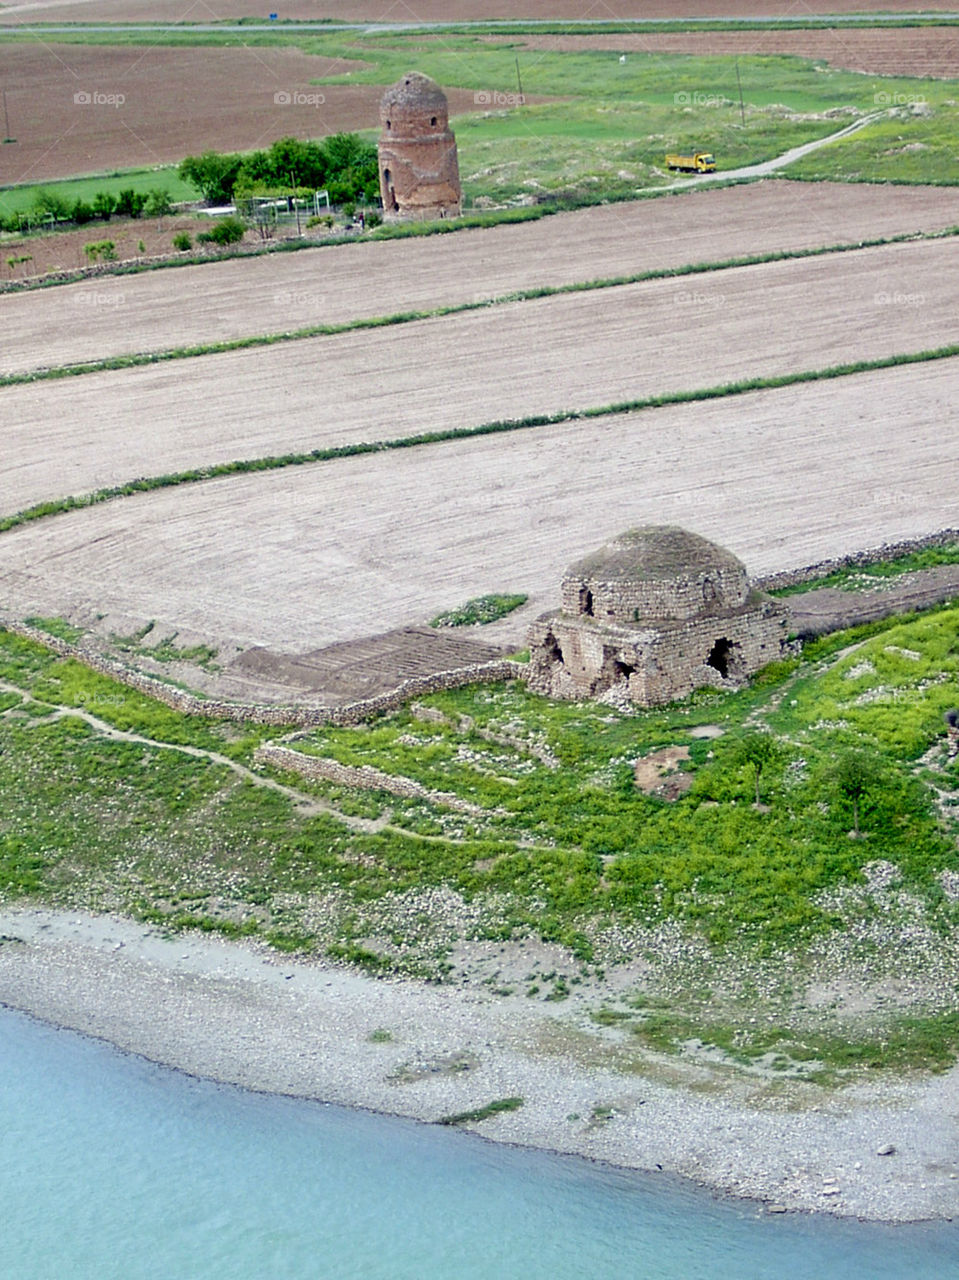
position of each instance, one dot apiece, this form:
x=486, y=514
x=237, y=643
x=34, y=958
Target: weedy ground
x=769, y=937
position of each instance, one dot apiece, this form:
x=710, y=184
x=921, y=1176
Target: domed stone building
x=656, y=613
x=419, y=170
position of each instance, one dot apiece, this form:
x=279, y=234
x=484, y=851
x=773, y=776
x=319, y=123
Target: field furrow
x=309, y=556
x=549, y=355
x=116, y=315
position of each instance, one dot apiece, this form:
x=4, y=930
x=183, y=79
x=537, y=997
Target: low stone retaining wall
x=888, y=551
x=363, y=776
x=478, y=673
x=255, y=713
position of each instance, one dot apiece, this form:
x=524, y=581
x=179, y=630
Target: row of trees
x=343, y=164
x=52, y=207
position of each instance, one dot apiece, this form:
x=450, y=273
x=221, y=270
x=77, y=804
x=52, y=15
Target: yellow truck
x=698, y=162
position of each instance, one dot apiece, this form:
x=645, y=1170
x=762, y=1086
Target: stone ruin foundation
x=419, y=170
x=653, y=615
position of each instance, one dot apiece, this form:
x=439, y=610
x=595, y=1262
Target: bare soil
x=915, y=51
x=158, y=310
x=570, y=352
x=308, y=557
x=360, y=669
x=160, y=104
x=57, y=251
x=376, y=11
x=829, y=608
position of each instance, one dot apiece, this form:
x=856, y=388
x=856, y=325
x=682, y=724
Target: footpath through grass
x=564, y=846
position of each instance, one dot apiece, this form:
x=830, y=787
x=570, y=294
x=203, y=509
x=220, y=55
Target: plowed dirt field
x=109, y=316
x=77, y=109
x=313, y=555
x=388, y=11
x=915, y=51
x=569, y=352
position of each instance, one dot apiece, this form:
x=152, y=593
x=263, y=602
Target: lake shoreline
x=242, y=1014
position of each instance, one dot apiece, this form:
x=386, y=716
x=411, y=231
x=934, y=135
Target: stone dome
x=414, y=102
x=653, y=574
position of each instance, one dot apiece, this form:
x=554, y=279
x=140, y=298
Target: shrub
x=100, y=250
x=82, y=213
x=182, y=241
x=226, y=231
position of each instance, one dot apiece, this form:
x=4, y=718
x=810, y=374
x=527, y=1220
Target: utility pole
x=519, y=83
x=742, y=109
x=296, y=207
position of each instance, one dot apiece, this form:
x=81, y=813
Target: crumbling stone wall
x=364, y=777
x=419, y=169
x=573, y=657
x=305, y=717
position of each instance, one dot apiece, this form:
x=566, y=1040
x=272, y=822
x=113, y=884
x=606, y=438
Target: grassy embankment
x=738, y=911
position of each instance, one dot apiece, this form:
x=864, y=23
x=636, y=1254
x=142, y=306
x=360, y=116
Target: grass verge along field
x=807, y=472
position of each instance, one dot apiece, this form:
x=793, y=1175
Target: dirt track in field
x=554, y=354
x=160, y=104
x=310, y=556
x=161, y=310
x=915, y=51
x=399, y=11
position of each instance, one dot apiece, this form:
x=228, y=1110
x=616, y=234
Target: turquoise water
x=114, y=1169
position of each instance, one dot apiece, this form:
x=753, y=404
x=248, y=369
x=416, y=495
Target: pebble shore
x=241, y=1014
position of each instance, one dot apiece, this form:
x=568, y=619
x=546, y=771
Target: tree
x=758, y=749
x=103, y=205
x=130, y=203
x=213, y=174
x=855, y=774
x=50, y=204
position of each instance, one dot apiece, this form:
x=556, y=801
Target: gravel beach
x=244, y=1015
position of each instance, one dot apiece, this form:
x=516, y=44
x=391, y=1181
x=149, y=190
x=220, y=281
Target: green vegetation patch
x=495, y=1108
x=481, y=610
x=564, y=846
x=866, y=577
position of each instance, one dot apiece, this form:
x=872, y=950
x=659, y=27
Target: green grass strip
x=276, y=462
x=482, y=1113
x=138, y=359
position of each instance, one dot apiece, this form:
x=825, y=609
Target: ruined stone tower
x=654, y=614
x=419, y=172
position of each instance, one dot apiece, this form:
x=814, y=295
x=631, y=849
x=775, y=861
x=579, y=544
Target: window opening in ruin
x=586, y=601
x=623, y=669
x=433, y=121
x=389, y=124
x=725, y=657
x=554, y=653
